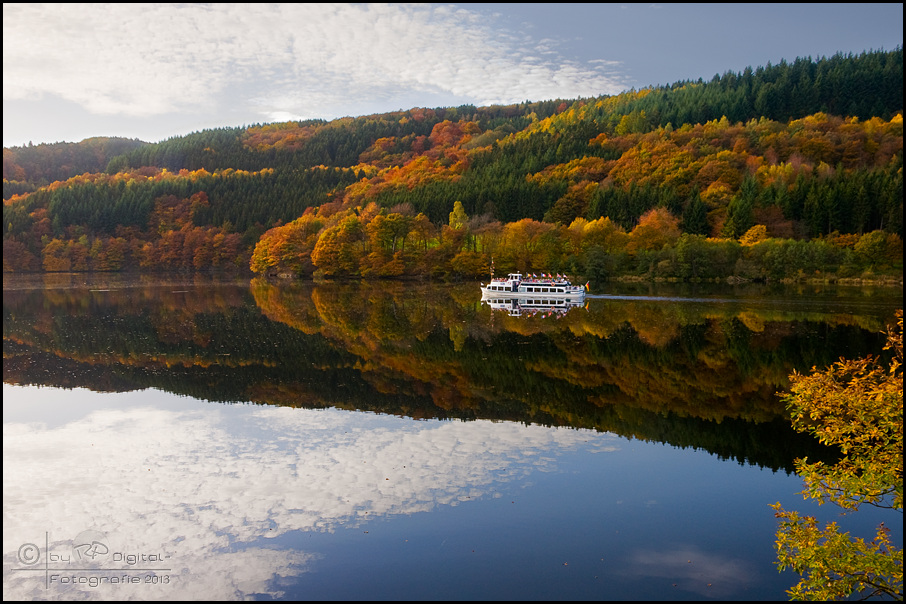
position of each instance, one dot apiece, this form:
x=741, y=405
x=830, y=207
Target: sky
x=153, y=71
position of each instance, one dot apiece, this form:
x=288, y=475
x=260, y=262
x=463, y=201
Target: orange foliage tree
x=656, y=228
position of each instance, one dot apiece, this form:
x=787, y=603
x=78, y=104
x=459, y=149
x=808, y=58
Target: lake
x=203, y=438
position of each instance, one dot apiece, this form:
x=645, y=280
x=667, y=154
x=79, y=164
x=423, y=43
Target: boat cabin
x=510, y=284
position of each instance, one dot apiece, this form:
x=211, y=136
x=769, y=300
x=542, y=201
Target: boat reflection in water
x=530, y=286
x=520, y=307
x=532, y=295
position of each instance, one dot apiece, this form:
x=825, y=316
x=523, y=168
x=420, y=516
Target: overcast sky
x=159, y=70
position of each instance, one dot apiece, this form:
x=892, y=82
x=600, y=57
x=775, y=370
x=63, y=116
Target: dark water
x=209, y=439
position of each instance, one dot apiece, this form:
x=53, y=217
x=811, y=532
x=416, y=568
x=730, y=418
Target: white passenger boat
x=543, y=287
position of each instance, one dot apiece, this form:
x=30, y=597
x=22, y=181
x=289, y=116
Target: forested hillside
x=27, y=168
x=776, y=172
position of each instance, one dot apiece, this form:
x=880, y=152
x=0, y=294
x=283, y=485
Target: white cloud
x=305, y=60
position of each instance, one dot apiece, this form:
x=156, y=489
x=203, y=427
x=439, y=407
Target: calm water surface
x=210, y=439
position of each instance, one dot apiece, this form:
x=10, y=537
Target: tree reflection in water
x=694, y=369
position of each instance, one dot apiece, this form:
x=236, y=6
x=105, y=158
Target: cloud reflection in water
x=707, y=574
x=207, y=485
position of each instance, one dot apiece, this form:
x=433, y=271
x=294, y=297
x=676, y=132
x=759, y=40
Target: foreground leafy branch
x=856, y=405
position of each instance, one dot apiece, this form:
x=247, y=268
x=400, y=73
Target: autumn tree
x=458, y=217
x=55, y=256
x=605, y=234
x=856, y=405
x=16, y=257
x=756, y=234
x=526, y=245
x=422, y=232
x=656, y=228
x=878, y=248
x=470, y=264
x=340, y=248
x=387, y=235
x=288, y=248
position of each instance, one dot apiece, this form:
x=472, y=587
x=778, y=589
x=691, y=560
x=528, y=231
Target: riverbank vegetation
x=792, y=171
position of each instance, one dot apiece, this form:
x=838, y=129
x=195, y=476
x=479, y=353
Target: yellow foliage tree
x=858, y=406
x=756, y=234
